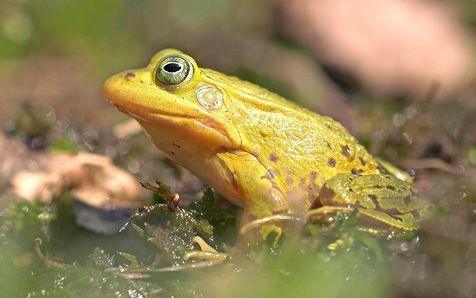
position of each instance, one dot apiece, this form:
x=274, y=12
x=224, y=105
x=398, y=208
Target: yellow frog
x=262, y=152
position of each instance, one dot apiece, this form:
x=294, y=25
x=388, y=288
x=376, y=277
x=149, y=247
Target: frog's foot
x=269, y=225
x=206, y=253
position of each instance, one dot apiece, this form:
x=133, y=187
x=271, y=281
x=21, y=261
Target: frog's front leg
x=381, y=200
x=260, y=194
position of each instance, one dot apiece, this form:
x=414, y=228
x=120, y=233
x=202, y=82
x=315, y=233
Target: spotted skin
x=380, y=199
x=259, y=150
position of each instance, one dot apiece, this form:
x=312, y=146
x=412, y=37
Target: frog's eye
x=174, y=70
x=209, y=97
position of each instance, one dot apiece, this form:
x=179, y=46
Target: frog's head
x=177, y=105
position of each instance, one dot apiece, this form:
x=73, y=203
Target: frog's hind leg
x=382, y=201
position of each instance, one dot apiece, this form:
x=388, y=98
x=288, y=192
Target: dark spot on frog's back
x=345, y=150
x=313, y=188
x=273, y=157
x=313, y=175
x=362, y=161
x=331, y=162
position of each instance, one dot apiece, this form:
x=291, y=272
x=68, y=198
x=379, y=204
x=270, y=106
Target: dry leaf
x=91, y=178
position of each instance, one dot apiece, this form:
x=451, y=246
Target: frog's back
x=254, y=94
x=297, y=145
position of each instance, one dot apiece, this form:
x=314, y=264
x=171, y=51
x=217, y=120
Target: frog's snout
x=111, y=88
x=107, y=88
x=115, y=85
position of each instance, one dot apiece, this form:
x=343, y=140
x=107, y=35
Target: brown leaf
x=91, y=178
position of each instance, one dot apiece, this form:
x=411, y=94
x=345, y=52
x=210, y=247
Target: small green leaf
x=64, y=145
x=206, y=227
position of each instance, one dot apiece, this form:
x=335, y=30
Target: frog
x=275, y=159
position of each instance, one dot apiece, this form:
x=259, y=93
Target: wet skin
x=261, y=151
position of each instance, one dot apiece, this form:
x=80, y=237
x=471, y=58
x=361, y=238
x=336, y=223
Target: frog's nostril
x=130, y=75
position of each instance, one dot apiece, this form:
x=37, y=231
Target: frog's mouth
x=156, y=110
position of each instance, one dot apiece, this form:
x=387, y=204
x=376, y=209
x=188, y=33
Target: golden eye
x=174, y=70
x=209, y=97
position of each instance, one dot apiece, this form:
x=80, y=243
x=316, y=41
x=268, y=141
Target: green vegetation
x=150, y=256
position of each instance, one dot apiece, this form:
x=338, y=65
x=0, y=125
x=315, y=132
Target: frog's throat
x=224, y=134
x=206, y=123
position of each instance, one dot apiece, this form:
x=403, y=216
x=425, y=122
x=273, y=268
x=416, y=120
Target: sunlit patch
x=209, y=97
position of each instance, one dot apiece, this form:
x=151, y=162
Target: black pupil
x=172, y=67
